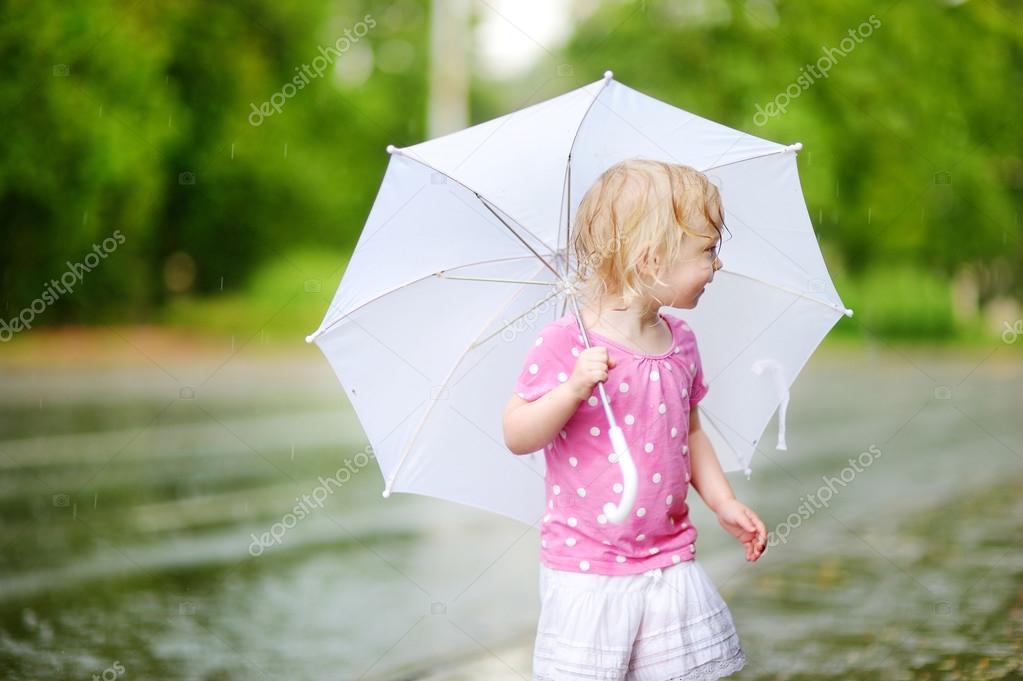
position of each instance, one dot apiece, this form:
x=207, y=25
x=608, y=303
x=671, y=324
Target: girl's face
x=686, y=279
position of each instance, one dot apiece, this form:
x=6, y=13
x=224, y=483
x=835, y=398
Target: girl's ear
x=649, y=262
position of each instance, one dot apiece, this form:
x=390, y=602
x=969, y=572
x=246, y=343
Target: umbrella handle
x=630, y=479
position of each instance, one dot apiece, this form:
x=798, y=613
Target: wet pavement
x=150, y=533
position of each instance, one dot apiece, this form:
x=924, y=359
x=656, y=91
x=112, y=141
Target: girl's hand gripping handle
x=591, y=368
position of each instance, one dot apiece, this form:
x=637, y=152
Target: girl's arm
x=709, y=479
x=530, y=426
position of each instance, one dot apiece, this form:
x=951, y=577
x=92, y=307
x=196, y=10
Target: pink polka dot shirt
x=651, y=397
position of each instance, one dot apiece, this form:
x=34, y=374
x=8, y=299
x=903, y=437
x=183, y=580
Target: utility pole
x=448, y=94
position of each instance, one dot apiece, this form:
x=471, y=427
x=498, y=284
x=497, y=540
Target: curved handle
x=630, y=479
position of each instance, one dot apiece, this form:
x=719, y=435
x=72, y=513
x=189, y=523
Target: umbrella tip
x=848, y=312
x=387, y=493
x=310, y=338
x=798, y=146
x=391, y=149
x=608, y=75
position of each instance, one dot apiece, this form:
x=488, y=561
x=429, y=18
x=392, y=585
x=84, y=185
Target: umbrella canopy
x=465, y=255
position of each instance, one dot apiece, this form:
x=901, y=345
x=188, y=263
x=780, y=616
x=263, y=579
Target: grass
x=287, y=299
x=282, y=303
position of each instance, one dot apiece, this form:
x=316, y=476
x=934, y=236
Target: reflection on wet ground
x=161, y=535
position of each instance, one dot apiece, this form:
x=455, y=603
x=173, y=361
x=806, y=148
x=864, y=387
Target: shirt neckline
x=626, y=348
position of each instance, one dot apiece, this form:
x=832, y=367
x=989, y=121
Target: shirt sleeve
x=698, y=389
x=548, y=363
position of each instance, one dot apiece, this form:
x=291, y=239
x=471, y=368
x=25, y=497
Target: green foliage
x=282, y=301
x=911, y=142
x=136, y=117
x=902, y=302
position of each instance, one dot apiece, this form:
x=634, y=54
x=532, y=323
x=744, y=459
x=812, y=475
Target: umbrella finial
x=748, y=472
x=391, y=149
x=608, y=75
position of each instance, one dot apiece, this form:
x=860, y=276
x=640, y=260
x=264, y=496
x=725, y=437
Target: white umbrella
x=465, y=255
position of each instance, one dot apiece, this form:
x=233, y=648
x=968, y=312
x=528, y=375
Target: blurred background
x=181, y=184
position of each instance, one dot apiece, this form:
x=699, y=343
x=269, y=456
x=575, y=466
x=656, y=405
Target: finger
x=761, y=528
x=741, y=534
x=755, y=521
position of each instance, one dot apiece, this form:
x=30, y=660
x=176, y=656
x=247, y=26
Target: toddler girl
x=629, y=601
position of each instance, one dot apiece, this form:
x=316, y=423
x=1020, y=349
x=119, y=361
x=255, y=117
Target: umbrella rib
x=406, y=154
x=506, y=281
x=497, y=331
x=443, y=387
x=844, y=310
x=568, y=163
x=792, y=147
x=568, y=205
x=486, y=204
x=717, y=423
x=565, y=206
x=320, y=332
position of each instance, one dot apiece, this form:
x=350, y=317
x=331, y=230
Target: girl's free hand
x=742, y=523
x=591, y=367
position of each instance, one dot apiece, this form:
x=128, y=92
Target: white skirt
x=666, y=624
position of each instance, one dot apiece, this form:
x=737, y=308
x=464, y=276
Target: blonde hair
x=638, y=207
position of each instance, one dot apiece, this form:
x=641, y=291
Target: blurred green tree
x=176, y=124
x=212, y=135
x=911, y=139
